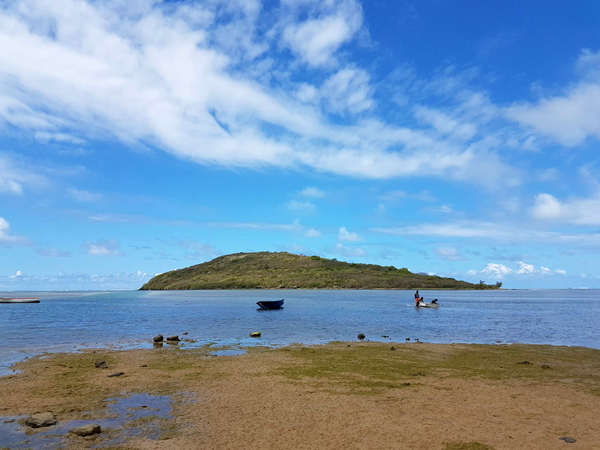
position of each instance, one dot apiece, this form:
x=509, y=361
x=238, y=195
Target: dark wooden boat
x=270, y=304
x=20, y=300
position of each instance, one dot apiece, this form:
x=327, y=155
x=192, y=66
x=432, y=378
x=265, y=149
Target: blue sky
x=458, y=138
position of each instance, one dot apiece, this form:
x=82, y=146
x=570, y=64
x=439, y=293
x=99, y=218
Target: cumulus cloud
x=571, y=116
x=108, y=247
x=345, y=235
x=575, y=211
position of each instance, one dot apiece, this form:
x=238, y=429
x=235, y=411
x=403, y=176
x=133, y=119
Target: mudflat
x=344, y=395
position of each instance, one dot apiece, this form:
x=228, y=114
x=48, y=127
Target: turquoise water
x=71, y=321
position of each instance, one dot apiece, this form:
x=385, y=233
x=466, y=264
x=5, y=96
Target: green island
x=282, y=270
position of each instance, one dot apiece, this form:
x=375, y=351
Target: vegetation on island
x=282, y=270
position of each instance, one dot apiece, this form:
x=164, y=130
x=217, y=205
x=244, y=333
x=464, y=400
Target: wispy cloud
x=84, y=196
x=53, y=253
x=108, y=247
x=9, y=240
x=312, y=192
x=187, y=79
x=302, y=207
x=500, y=271
x=342, y=250
x=449, y=253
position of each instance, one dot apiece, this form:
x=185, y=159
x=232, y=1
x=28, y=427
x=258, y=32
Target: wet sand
x=341, y=395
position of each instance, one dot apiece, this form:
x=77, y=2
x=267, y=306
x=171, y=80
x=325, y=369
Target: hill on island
x=282, y=270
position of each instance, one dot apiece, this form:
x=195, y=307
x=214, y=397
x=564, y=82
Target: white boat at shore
x=20, y=300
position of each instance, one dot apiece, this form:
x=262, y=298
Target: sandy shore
x=342, y=395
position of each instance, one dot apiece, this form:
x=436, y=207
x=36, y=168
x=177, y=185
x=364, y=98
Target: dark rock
x=407, y=339
x=86, y=430
x=159, y=338
x=116, y=374
x=392, y=348
x=173, y=338
x=348, y=345
x=9, y=421
x=384, y=336
x=144, y=365
x=41, y=420
x=101, y=364
x=185, y=334
x=406, y=384
x=546, y=366
x=568, y=439
x=255, y=334
x=361, y=336
x=524, y=362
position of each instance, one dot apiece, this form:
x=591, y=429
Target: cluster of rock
x=47, y=419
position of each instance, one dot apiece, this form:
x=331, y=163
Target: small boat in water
x=20, y=300
x=270, y=304
x=423, y=304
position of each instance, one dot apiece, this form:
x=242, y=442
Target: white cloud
x=572, y=116
x=14, y=176
x=342, y=250
x=492, y=231
x=312, y=233
x=500, y=271
x=301, y=207
x=108, y=247
x=345, y=235
x=74, y=281
x=312, y=192
x=525, y=269
x=348, y=91
x=7, y=239
x=316, y=39
x=575, y=211
x=449, y=253
x=83, y=196
x=175, y=77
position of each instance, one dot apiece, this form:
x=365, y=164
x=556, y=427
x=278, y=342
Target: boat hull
x=20, y=300
x=270, y=304
x=428, y=305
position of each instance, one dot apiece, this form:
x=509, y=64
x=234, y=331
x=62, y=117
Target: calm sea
x=75, y=320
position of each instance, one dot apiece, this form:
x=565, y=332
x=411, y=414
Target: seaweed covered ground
x=342, y=395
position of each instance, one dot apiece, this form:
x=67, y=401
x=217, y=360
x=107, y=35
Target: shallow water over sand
x=71, y=321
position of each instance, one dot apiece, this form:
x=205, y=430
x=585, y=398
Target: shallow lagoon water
x=123, y=412
x=75, y=320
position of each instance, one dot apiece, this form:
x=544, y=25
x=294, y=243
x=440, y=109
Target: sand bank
x=341, y=395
